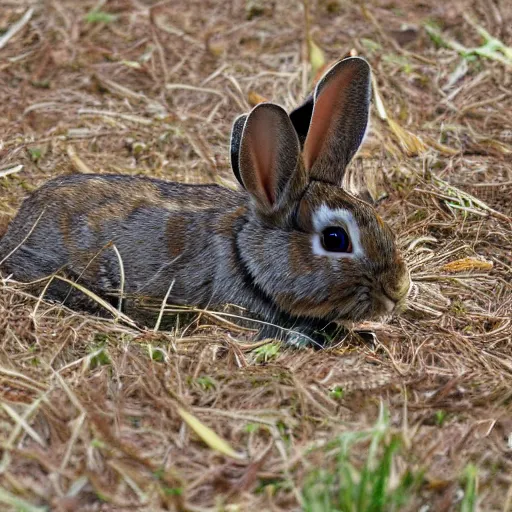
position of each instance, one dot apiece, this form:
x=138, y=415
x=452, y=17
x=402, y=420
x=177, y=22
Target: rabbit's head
x=311, y=247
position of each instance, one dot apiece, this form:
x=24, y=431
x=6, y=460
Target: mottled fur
x=250, y=247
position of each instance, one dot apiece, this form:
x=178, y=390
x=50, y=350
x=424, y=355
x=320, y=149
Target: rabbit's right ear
x=236, y=139
x=269, y=155
x=339, y=120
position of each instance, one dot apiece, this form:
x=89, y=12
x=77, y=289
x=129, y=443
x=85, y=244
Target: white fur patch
x=325, y=217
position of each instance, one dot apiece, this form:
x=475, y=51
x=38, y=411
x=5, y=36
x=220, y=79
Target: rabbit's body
x=159, y=229
x=292, y=247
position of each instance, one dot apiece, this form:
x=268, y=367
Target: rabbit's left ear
x=236, y=139
x=269, y=157
x=339, y=119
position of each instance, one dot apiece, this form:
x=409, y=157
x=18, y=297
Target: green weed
x=374, y=487
x=468, y=503
x=99, y=17
x=267, y=352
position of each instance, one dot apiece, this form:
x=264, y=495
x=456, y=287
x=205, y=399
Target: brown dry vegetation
x=89, y=417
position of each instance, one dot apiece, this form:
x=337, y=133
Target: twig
x=18, y=503
x=11, y=170
x=24, y=239
x=80, y=165
x=16, y=27
x=162, y=307
x=108, y=113
x=187, y=87
x=122, y=277
x=22, y=422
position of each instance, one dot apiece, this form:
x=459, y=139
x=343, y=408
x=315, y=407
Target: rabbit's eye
x=336, y=239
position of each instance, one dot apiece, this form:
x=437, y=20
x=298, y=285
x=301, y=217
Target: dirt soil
x=91, y=415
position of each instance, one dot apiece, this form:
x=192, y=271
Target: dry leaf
x=445, y=150
x=255, y=99
x=79, y=164
x=209, y=436
x=329, y=65
x=410, y=143
x=96, y=298
x=316, y=58
x=465, y=264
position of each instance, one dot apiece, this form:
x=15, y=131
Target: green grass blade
x=470, y=492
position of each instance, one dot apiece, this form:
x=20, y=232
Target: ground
x=102, y=415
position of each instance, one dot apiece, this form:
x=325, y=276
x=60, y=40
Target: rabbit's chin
x=356, y=324
x=372, y=311
x=353, y=313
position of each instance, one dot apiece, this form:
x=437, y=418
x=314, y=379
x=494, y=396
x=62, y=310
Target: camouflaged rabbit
x=291, y=246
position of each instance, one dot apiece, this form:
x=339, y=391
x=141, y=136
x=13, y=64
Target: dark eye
x=336, y=239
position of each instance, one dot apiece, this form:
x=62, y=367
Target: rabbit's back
x=72, y=224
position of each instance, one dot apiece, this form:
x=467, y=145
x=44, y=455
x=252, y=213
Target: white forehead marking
x=325, y=217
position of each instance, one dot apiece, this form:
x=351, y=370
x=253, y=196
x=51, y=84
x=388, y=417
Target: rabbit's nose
x=398, y=290
x=388, y=305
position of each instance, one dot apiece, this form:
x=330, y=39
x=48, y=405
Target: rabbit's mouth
x=385, y=307
x=378, y=301
x=388, y=302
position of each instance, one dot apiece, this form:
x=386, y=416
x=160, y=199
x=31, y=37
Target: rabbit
x=291, y=246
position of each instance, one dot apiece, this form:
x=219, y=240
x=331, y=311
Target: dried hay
x=100, y=415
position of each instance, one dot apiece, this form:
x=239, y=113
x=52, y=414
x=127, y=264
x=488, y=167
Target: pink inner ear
x=329, y=107
x=262, y=149
x=268, y=154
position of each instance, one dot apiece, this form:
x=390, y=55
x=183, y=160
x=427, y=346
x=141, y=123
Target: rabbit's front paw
x=305, y=339
x=301, y=336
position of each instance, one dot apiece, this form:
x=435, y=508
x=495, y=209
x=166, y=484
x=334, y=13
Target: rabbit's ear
x=236, y=139
x=301, y=118
x=269, y=155
x=339, y=121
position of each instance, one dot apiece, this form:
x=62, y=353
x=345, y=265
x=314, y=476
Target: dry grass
x=90, y=409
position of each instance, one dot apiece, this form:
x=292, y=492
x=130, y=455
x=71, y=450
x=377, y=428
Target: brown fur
x=177, y=229
x=226, y=224
x=300, y=260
